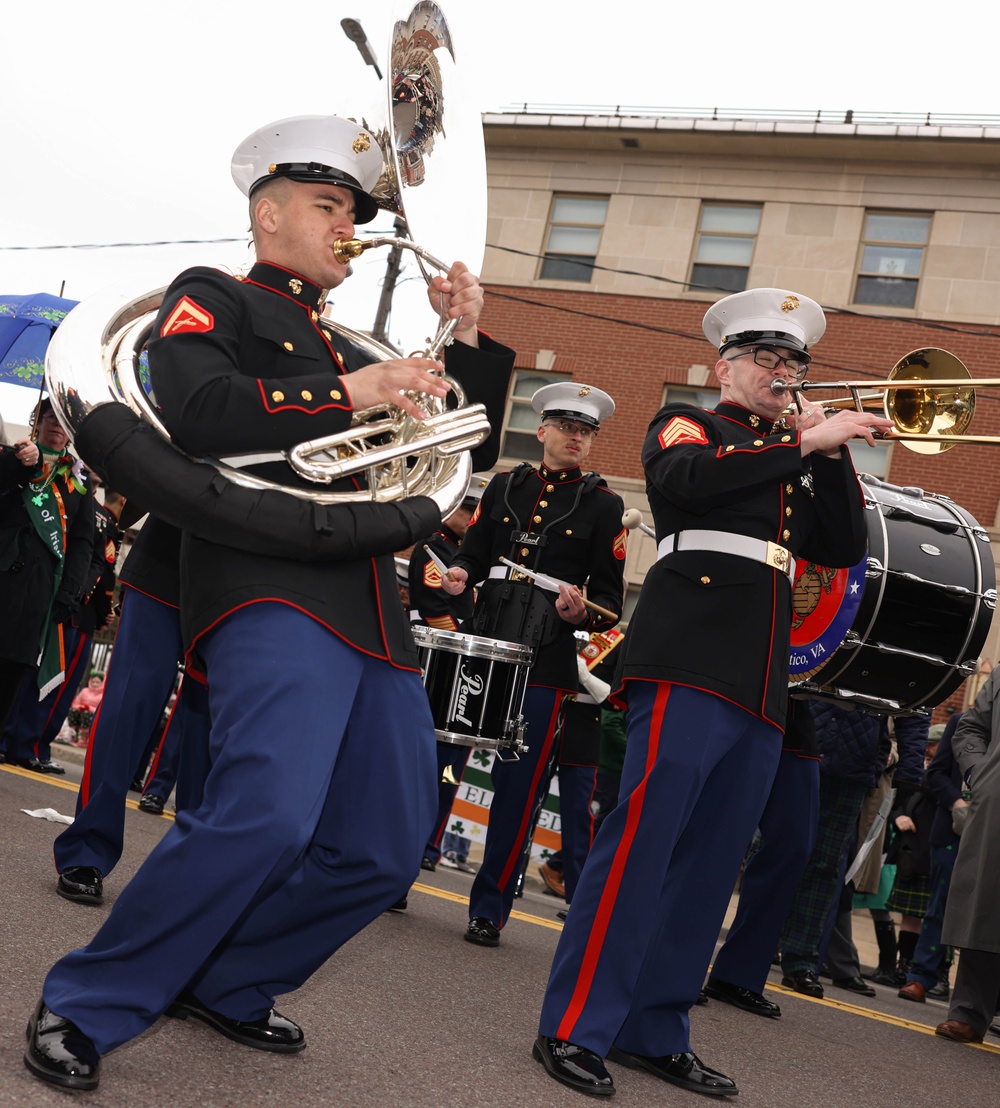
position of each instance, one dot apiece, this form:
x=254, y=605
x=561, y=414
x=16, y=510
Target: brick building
x=610, y=234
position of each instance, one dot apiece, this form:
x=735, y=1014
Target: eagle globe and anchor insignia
x=825, y=602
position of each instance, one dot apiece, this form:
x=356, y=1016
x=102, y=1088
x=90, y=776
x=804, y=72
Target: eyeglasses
x=771, y=359
x=570, y=429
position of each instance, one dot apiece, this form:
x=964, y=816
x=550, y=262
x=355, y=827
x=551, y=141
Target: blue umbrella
x=26, y=325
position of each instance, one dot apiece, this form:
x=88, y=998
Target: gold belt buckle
x=778, y=557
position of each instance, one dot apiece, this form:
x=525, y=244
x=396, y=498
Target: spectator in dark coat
x=46, y=543
x=943, y=782
x=854, y=747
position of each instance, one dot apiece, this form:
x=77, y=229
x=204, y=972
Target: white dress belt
x=724, y=542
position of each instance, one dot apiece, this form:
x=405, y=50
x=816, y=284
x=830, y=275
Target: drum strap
x=724, y=542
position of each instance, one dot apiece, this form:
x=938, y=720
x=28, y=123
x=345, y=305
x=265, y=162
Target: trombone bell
x=944, y=412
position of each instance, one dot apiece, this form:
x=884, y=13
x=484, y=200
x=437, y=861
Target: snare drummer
x=569, y=525
x=431, y=606
x=735, y=499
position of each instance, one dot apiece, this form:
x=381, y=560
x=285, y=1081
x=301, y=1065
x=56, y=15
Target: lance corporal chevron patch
x=187, y=318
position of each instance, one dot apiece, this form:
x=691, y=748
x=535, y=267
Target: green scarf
x=48, y=516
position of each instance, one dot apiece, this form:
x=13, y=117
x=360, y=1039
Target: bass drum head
x=917, y=608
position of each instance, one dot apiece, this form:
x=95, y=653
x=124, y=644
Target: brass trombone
x=928, y=396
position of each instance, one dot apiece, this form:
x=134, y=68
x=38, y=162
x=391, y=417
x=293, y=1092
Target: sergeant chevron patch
x=432, y=576
x=681, y=429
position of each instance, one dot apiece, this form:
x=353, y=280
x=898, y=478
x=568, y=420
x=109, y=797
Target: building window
x=872, y=459
x=519, y=438
x=726, y=237
x=684, y=394
x=575, y=227
x=892, y=253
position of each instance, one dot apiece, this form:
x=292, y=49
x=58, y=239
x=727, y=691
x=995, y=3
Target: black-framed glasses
x=771, y=359
x=569, y=429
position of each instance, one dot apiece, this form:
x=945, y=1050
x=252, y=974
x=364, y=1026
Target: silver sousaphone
x=428, y=131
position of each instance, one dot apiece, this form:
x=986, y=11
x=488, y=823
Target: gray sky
x=120, y=116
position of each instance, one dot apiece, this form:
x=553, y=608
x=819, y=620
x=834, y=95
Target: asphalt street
x=409, y=1014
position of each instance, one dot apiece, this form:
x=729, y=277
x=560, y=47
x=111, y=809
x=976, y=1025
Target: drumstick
x=440, y=564
x=553, y=584
x=633, y=519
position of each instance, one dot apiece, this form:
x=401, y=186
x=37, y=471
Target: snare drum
x=912, y=616
x=475, y=686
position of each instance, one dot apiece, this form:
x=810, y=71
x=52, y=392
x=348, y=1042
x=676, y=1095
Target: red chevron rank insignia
x=620, y=547
x=681, y=429
x=187, y=318
x=432, y=576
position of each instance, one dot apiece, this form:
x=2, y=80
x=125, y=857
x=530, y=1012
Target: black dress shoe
x=399, y=906
x=483, y=932
x=854, y=985
x=574, y=1066
x=739, y=997
x=151, y=803
x=891, y=977
x=58, y=1051
x=803, y=981
x=274, y=1032
x=83, y=884
x=38, y=766
x=427, y=864
x=685, y=1070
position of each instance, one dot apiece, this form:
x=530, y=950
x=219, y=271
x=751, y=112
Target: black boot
x=885, y=936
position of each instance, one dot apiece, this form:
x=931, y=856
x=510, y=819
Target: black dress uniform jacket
x=100, y=588
x=721, y=622
x=247, y=365
x=586, y=543
x=428, y=599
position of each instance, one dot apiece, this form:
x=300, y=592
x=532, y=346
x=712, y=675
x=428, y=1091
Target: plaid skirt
x=910, y=895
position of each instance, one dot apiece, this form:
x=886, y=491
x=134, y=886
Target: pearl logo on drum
x=472, y=685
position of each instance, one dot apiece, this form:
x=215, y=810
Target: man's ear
x=265, y=214
x=724, y=371
x=540, y=433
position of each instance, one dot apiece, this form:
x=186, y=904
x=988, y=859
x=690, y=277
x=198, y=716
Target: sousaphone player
x=307, y=664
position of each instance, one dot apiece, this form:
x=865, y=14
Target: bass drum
x=900, y=631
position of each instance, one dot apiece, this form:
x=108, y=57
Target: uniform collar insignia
x=286, y=282
x=559, y=476
x=739, y=414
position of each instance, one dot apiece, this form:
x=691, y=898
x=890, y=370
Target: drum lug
x=511, y=749
x=990, y=599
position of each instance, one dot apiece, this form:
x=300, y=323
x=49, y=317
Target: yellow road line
x=556, y=925
x=459, y=898
x=48, y=779
x=870, y=1013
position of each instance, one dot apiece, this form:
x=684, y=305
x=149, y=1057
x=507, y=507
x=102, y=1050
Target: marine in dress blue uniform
x=321, y=791
x=141, y=676
x=431, y=606
x=734, y=499
x=560, y=521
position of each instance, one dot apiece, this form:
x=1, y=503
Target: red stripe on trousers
x=543, y=762
x=606, y=905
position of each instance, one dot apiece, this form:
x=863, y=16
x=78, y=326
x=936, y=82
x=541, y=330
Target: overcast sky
x=120, y=116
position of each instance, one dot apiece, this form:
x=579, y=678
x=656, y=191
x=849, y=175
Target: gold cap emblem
x=361, y=143
x=585, y=391
x=790, y=303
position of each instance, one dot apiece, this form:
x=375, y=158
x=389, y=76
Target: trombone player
x=308, y=665
x=735, y=497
